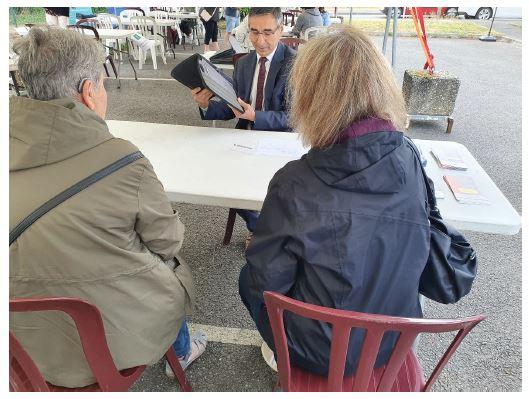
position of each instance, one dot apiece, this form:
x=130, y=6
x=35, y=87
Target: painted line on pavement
x=127, y=78
x=227, y=335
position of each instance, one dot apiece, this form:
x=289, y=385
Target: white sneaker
x=198, y=346
x=268, y=356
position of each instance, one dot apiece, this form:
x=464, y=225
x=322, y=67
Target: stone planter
x=430, y=97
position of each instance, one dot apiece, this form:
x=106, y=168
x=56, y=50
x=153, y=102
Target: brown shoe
x=248, y=240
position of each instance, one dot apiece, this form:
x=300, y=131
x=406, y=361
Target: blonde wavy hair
x=337, y=79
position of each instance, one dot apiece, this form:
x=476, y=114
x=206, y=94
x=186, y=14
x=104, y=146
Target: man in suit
x=260, y=79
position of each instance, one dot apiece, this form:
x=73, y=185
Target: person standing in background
x=231, y=14
x=57, y=16
x=211, y=28
x=309, y=18
x=326, y=18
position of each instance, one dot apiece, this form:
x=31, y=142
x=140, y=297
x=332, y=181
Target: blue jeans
x=181, y=345
x=250, y=217
x=231, y=22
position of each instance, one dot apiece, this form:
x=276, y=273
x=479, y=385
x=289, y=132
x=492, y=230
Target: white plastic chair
x=313, y=32
x=158, y=14
x=110, y=21
x=151, y=31
x=126, y=15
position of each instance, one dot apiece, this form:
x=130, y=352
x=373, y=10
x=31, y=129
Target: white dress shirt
x=253, y=93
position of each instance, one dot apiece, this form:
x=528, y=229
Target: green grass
x=28, y=15
x=35, y=15
x=451, y=27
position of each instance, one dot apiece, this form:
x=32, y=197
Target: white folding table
x=202, y=165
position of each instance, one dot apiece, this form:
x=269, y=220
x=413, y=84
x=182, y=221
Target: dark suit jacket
x=275, y=115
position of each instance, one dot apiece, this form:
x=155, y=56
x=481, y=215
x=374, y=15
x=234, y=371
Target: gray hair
x=274, y=11
x=53, y=62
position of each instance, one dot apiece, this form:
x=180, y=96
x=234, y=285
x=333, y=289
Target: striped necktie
x=260, y=84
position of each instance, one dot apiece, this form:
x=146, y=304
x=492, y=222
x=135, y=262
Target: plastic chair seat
x=409, y=379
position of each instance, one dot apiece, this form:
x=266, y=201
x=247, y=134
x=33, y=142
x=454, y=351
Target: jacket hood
x=45, y=132
x=313, y=11
x=371, y=163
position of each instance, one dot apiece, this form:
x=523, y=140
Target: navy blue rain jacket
x=346, y=228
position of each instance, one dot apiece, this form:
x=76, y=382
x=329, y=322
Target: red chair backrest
x=235, y=57
x=375, y=325
x=91, y=331
x=293, y=42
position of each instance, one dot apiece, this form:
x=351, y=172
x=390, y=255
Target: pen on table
x=243, y=146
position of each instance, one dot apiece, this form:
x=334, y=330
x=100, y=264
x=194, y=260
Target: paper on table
x=279, y=147
x=272, y=147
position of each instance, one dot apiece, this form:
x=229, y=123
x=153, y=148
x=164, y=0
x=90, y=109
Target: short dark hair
x=274, y=11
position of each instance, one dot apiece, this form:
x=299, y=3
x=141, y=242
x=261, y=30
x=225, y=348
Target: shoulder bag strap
x=69, y=192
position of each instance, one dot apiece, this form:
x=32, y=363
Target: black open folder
x=197, y=71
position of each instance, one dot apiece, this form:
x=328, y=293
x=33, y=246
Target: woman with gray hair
x=346, y=226
x=114, y=244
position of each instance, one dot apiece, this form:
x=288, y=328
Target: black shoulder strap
x=69, y=192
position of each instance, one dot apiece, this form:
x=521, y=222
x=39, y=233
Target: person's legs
x=182, y=345
x=250, y=217
x=214, y=39
x=255, y=307
x=187, y=348
x=230, y=24
x=207, y=36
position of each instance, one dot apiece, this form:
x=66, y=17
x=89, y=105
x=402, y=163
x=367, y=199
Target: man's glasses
x=266, y=33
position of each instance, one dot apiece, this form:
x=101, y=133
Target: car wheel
x=451, y=12
x=484, y=13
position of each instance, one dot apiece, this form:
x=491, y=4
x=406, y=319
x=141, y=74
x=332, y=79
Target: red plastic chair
x=393, y=376
x=25, y=376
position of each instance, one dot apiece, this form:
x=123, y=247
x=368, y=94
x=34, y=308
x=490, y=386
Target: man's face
x=264, y=33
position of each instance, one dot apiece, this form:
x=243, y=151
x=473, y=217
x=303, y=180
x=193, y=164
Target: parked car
x=488, y=12
x=427, y=11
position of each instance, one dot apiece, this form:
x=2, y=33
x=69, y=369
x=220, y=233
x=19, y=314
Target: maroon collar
x=365, y=126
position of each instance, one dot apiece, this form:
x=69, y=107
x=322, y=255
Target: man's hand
x=201, y=96
x=249, y=112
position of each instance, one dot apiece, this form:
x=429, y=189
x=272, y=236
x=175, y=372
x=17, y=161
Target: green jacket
x=112, y=244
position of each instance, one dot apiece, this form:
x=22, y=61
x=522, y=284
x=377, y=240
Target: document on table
x=273, y=147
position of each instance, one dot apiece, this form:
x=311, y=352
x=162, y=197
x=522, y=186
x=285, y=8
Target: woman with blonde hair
x=345, y=226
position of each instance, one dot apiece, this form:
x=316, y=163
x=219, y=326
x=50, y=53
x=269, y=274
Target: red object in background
x=24, y=376
x=427, y=11
x=390, y=377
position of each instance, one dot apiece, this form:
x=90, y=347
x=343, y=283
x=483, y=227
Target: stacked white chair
x=151, y=31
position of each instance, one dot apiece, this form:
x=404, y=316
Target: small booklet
x=465, y=190
x=448, y=159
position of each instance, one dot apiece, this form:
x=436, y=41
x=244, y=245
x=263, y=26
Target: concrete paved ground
x=509, y=27
x=487, y=120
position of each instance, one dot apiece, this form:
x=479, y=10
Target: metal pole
x=351, y=16
x=385, y=41
x=493, y=17
x=394, y=40
x=490, y=38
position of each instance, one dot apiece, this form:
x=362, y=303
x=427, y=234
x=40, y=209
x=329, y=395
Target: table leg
x=450, y=123
x=130, y=61
x=229, y=227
